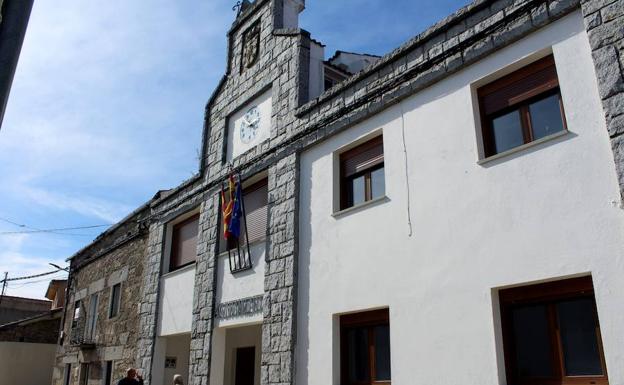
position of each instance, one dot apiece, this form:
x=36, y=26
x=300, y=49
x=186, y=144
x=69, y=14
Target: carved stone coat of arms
x=251, y=46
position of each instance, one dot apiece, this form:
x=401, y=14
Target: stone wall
x=118, y=256
x=280, y=284
x=18, y=308
x=604, y=21
x=43, y=331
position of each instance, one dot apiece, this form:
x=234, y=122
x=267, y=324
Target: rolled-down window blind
x=362, y=157
x=184, y=242
x=256, y=209
x=521, y=85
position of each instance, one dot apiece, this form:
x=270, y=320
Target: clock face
x=249, y=125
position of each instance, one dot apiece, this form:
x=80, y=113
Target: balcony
x=81, y=338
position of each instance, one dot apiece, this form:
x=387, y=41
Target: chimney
x=292, y=9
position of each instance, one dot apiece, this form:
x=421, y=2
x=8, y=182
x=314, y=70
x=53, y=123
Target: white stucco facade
x=176, y=302
x=249, y=283
x=544, y=213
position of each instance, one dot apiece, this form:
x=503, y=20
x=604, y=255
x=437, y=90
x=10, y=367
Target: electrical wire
x=20, y=285
x=54, y=231
x=31, y=276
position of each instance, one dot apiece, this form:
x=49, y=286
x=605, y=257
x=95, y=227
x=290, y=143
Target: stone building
x=450, y=212
x=101, y=320
x=28, y=345
x=18, y=308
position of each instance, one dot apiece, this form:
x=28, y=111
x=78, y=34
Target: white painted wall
x=235, y=146
x=26, y=363
x=176, y=301
x=547, y=212
x=245, y=284
x=292, y=8
x=178, y=346
x=225, y=343
x=317, y=70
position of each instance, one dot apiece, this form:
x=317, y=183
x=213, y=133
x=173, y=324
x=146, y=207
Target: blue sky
x=107, y=108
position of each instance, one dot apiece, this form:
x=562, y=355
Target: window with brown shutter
x=365, y=348
x=362, y=176
x=551, y=334
x=521, y=107
x=255, y=199
x=184, y=243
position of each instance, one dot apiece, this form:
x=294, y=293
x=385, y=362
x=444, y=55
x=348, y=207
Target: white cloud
x=12, y=260
x=107, y=211
x=106, y=108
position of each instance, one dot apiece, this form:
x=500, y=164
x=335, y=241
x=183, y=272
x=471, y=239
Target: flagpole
x=227, y=246
x=245, y=221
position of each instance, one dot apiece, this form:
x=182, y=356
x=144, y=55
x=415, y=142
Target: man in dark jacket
x=132, y=378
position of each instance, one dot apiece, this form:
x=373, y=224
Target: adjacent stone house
x=28, y=345
x=101, y=319
x=450, y=212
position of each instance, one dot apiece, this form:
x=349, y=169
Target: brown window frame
x=367, y=320
x=173, y=255
x=544, y=82
x=548, y=294
x=230, y=244
x=346, y=193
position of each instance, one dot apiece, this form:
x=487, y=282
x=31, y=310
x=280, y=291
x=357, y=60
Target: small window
x=84, y=374
x=255, y=200
x=365, y=348
x=551, y=334
x=108, y=373
x=77, y=314
x=184, y=243
x=362, y=176
x=90, y=330
x=521, y=107
x=67, y=374
x=115, y=300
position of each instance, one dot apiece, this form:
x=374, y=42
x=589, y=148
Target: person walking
x=177, y=380
x=132, y=378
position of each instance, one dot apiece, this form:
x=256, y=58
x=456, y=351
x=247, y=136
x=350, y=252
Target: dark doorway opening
x=245, y=365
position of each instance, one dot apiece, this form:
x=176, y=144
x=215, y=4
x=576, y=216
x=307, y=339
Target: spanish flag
x=227, y=206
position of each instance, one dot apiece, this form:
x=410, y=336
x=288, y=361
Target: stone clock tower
x=248, y=117
x=267, y=78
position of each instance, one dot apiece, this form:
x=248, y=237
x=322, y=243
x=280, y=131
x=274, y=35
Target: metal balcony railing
x=81, y=337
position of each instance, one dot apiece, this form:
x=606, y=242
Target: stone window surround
x=110, y=301
x=112, y=279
